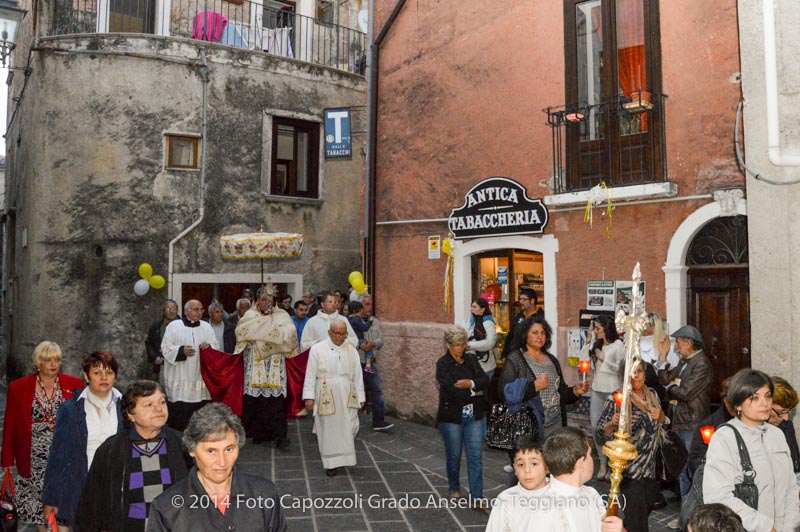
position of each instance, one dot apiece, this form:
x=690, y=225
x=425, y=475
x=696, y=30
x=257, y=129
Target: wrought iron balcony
x=619, y=141
x=238, y=23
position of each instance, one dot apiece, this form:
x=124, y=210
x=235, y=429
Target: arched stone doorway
x=718, y=294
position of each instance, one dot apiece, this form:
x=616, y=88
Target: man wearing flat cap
x=688, y=386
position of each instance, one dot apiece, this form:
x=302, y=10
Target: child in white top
x=513, y=509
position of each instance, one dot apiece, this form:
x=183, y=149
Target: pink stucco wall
x=461, y=91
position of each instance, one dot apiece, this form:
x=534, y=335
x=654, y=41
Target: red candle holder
x=706, y=432
x=584, y=367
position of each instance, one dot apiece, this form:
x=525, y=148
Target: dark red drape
x=224, y=377
x=295, y=376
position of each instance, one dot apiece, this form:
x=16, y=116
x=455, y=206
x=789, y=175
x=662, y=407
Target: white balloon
x=141, y=287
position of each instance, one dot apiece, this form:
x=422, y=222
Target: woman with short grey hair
x=461, y=417
x=234, y=500
x=212, y=423
x=455, y=334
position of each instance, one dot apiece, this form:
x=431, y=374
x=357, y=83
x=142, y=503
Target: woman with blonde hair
x=30, y=420
x=784, y=400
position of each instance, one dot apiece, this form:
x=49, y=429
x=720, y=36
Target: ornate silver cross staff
x=620, y=450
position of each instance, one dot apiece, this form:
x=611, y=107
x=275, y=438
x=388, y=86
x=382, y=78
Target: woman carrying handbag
x=775, y=506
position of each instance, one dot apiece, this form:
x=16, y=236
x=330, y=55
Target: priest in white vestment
x=334, y=392
x=316, y=329
x=266, y=335
x=180, y=347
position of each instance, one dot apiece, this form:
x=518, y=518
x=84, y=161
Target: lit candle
x=706, y=432
x=617, y=400
x=584, y=369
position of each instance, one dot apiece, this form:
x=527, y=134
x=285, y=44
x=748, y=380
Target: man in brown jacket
x=688, y=384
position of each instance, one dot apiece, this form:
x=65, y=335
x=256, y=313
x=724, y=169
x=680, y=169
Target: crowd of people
x=91, y=457
x=670, y=401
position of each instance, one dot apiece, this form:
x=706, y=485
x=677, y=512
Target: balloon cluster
x=148, y=280
x=357, y=282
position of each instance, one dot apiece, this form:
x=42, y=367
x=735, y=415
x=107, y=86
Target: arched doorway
x=718, y=294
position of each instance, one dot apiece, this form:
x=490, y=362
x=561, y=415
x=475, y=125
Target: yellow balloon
x=359, y=287
x=157, y=282
x=145, y=271
x=355, y=277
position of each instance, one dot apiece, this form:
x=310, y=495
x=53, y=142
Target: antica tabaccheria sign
x=497, y=206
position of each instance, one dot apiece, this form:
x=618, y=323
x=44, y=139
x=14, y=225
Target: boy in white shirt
x=513, y=509
x=563, y=505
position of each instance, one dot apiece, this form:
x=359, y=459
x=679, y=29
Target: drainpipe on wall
x=372, y=128
x=204, y=79
x=771, y=85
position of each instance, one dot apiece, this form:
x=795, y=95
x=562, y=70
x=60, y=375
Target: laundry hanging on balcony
x=209, y=26
x=278, y=41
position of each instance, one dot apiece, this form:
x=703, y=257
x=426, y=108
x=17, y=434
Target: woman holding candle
x=531, y=360
x=639, y=487
x=750, y=393
x=607, y=352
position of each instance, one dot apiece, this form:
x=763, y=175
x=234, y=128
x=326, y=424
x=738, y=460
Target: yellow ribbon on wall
x=447, y=248
x=595, y=199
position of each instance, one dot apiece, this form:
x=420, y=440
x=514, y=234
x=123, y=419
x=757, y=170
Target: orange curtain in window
x=630, y=47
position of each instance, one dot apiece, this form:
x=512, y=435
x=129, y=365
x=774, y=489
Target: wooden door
x=719, y=307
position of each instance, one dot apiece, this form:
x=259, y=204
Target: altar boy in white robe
x=334, y=391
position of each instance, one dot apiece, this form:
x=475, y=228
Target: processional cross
x=620, y=450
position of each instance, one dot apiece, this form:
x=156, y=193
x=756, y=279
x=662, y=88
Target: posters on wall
x=611, y=295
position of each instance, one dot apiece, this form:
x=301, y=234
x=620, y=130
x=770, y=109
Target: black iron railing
x=239, y=23
x=620, y=142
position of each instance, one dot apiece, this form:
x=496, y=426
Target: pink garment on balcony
x=216, y=26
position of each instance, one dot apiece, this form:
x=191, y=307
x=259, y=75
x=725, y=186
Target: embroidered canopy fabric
x=261, y=245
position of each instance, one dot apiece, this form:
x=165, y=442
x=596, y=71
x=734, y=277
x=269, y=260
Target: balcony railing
x=620, y=142
x=238, y=23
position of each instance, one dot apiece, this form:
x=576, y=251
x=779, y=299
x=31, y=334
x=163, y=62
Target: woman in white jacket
x=607, y=353
x=750, y=394
x=482, y=335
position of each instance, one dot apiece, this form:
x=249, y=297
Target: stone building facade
x=770, y=76
x=559, y=96
x=106, y=162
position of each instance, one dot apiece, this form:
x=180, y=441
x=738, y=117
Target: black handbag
x=8, y=510
x=504, y=428
x=746, y=490
x=671, y=457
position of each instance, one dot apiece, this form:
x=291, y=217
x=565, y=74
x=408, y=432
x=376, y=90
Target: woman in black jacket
x=462, y=413
x=530, y=359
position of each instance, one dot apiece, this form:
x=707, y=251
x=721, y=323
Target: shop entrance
x=497, y=276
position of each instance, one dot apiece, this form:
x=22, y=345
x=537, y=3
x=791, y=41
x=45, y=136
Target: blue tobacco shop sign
x=338, y=143
x=497, y=206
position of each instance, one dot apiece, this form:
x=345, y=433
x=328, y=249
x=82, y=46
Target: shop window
x=613, y=88
x=183, y=152
x=497, y=277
